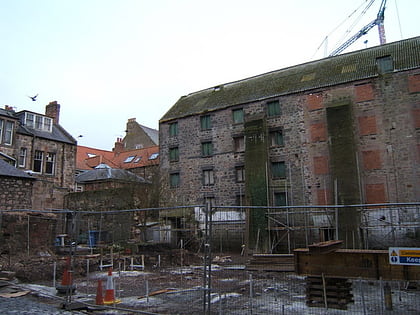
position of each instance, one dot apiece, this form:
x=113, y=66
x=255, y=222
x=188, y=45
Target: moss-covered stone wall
x=256, y=181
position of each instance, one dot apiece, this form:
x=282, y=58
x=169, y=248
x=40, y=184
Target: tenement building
x=341, y=130
x=38, y=145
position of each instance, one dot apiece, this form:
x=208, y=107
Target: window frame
x=276, y=138
x=174, y=180
x=278, y=170
x=208, y=177
x=22, y=157
x=38, y=161
x=235, y=118
x=50, y=159
x=173, y=129
x=205, y=122
x=273, y=108
x=207, y=148
x=6, y=131
x=239, y=144
x=240, y=173
x=174, y=154
x=385, y=64
x=276, y=198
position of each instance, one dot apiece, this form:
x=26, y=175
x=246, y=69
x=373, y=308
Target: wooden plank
x=325, y=247
x=344, y=263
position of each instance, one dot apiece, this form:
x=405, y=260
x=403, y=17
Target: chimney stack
x=53, y=110
x=118, y=147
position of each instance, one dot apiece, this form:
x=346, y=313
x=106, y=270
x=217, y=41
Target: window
x=278, y=169
x=138, y=159
x=207, y=148
x=208, y=177
x=49, y=163
x=280, y=199
x=129, y=159
x=240, y=174
x=154, y=156
x=29, y=120
x=173, y=129
x=205, y=122
x=273, y=108
x=38, y=158
x=22, y=157
x=173, y=154
x=8, y=132
x=276, y=138
x=47, y=124
x=239, y=143
x=174, y=180
x=38, y=122
x=238, y=116
x=385, y=64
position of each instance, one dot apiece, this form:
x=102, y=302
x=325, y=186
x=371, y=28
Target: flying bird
x=33, y=98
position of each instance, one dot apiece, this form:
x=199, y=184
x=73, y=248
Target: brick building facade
x=340, y=130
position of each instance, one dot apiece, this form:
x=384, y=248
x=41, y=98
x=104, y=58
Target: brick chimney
x=118, y=147
x=53, y=110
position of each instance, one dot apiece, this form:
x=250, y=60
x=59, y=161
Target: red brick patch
x=318, y=132
x=414, y=83
x=314, y=101
x=320, y=165
x=372, y=160
x=375, y=193
x=364, y=92
x=367, y=125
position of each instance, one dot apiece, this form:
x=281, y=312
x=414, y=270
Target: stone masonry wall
x=15, y=193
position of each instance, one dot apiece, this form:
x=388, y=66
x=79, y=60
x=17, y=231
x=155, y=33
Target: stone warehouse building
x=37, y=144
x=340, y=130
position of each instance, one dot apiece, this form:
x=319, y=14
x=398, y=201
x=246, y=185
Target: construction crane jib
x=379, y=21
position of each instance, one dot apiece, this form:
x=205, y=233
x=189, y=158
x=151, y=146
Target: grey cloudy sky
x=106, y=61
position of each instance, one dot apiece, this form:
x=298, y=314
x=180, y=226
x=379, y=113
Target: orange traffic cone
x=110, y=291
x=67, y=280
x=99, y=296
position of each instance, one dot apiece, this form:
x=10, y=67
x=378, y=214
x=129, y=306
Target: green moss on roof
x=329, y=71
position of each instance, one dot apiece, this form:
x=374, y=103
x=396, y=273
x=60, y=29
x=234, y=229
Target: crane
x=379, y=21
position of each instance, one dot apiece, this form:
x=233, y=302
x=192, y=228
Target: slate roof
x=58, y=133
x=325, y=72
x=107, y=173
x=9, y=170
x=152, y=133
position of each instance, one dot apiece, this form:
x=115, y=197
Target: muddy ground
x=172, y=283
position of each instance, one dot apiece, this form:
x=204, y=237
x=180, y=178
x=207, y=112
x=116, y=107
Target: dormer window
x=129, y=159
x=154, y=156
x=38, y=122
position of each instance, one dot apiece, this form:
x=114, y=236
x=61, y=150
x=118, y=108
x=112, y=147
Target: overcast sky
x=106, y=61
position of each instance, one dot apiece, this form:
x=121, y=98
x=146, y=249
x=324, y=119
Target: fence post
x=207, y=260
x=251, y=292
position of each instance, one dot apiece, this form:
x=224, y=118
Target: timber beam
x=352, y=263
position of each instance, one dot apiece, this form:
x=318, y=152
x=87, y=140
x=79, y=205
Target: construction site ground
x=172, y=283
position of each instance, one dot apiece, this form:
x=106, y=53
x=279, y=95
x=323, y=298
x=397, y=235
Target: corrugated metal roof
x=102, y=174
x=329, y=71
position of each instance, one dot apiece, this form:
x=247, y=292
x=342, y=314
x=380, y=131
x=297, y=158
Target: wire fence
x=200, y=260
